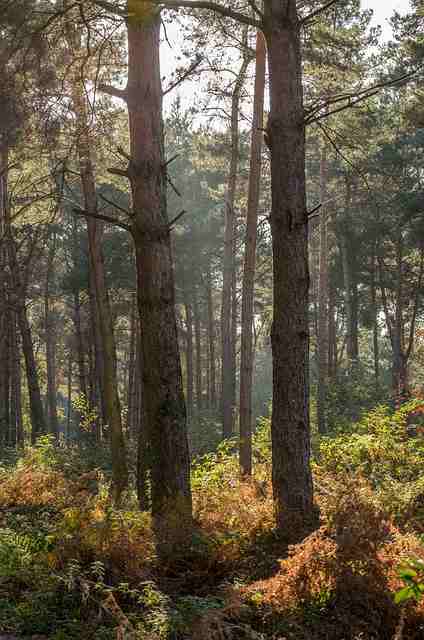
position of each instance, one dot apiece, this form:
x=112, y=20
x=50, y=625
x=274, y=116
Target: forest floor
x=72, y=566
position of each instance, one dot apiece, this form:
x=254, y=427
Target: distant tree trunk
x=332, y=335
x=38, y=423
x=248, y=287
x=97, y=399
x=51, y=339
x=323, y=297
x=189, y=357
x=198, y=340
x=80, y=344
x=351, y=294
x=211, y=338
x=228, y=261
x=163, y=395
x=111, y=400
x=69, y=397
x=291, y=472
x=375, y=332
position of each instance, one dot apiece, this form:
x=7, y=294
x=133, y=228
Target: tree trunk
x=111, y=401
x=16, y=385
x=375, y=331
x=228, y=372
x=291, y=472
x=211, y=339
x=189, y=358
x=198, y=340
x=50, y=336
x=323, y=297
x=69, y=396
x=163, y=395
x=351, y=294
x=332, y=335
x=248, y=287
x=132, y=388
x=38, y=423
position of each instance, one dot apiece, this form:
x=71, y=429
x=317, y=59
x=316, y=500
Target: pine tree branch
x=215, y=7
x=111, y=7
x=184, y=76
x=317, y=12
x=353, y=99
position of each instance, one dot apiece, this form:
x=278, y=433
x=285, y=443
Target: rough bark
x=131, y=387
x=248, y=285
x=291, y=473
x=163, y=396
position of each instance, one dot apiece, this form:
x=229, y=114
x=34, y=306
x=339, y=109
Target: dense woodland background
x=211, y=320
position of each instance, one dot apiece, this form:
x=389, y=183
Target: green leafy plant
x=412, y=575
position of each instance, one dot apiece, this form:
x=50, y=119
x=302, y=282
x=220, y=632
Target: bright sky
x=383, y=10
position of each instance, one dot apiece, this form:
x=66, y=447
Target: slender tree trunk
x=189, y=357
x=211, y=338
x=323, y=297
x=163, y=395
x=375, y=330
x=38, y=422
x=351, y=294
x=228, y=261
x=198, y=340
x=51, y=338
x=80, y=345
x=248, y=287
x=111, y=400
x=69, y=395
x=291, y=472
x=16, y=385
x=332, y=335
x=4, y=302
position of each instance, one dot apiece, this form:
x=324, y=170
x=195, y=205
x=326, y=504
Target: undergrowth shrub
x=342, y=578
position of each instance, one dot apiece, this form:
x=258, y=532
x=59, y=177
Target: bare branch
x=168, y=162
x=117, y=206
x=119, y=172
x=171, y=184
x=314, y=212
x=99, y=216
x=180, y=215
x=113, y=91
